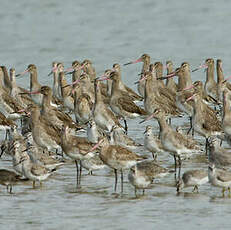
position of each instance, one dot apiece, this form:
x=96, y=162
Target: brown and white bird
x=175, y=143
x=143, y=173
x=122, y=106
x=117, y=158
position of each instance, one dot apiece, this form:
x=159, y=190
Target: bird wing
x=38, y=170
x=180, y=140
x=52, y=130
x=80, y=143
x=133, y=94
x=11, y=102
x=126, y=154
x=224, y=176
x=130, y=106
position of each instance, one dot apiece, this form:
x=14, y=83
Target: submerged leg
x=115, y=171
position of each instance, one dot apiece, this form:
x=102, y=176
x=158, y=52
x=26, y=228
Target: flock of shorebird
x=43, y=124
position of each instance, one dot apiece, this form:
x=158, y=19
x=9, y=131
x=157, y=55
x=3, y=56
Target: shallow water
x=106, y=32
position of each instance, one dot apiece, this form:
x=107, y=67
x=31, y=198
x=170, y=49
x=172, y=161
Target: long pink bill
x=73, y=83
x=69, y=70
x=33, y=92
x=147, y=119
x=202, y=66
x=189, y=87
x=21, y=74
x=190, y=98
x=167, y=76
x=133, y=62
x=96, y=146
x=103, y=78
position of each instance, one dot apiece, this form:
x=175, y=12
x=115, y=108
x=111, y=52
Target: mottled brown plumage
x=45, y=134
x=121, y=106
x=123, y=87
x=52, y=114
x=155, y=98
x=103, y=116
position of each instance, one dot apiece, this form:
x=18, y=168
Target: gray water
x=106, y=32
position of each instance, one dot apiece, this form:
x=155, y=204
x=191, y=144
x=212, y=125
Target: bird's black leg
x=126, y=126
x=77, y=170
x=122, y=180
x=179, y=160
x=175, y=164
x=115, y=171
x=80, y=172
